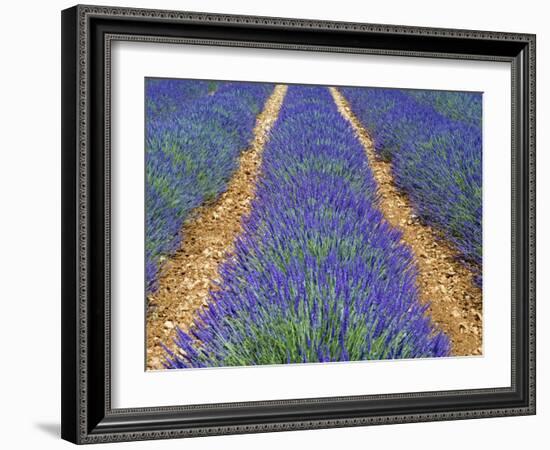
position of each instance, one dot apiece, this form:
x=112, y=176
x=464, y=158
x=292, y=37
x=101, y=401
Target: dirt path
x=208, y=239
x=455, y=301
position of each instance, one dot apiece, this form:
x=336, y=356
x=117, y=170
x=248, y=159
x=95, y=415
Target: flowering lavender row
x=165, y=96
x=191, y=150
x=435, y=159
x=317, y=275
x=462, y=106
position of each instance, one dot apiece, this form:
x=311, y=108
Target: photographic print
x=310, y=224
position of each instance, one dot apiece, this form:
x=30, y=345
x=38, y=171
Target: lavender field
x=308, y=224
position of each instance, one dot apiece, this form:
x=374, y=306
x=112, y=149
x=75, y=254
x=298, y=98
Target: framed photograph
x=279, y=224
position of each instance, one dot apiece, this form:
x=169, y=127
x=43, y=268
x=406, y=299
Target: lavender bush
x=461, y=106
x=435, y=159
x=317, y=275
x=164, y=96
x=192, y=147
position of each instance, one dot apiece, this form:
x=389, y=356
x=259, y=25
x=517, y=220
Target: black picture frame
x=87, y=33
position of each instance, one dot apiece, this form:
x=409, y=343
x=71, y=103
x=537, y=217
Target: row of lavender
x=435, y=158
x=317, y=275
x=165, y=97
x=195, y=132
x=462, y=106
